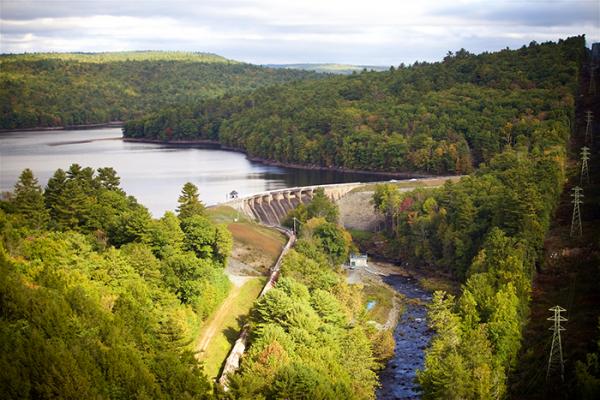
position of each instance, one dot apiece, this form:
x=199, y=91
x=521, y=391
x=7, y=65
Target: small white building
x=358, y=261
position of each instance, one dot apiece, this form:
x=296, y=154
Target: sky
x=367, y=32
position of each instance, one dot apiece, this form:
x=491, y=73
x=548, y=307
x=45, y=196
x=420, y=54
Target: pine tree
x=189, y=202
x=29, y=201
x=108, y=179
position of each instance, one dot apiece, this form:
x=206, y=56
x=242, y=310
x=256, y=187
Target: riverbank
x=113, y=124
x=209, y=143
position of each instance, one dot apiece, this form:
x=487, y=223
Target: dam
x=353, y=199
x=271, y=208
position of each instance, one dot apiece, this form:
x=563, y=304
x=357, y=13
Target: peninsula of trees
x=441, y=118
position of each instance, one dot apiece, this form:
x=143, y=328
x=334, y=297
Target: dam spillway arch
x=271, y=208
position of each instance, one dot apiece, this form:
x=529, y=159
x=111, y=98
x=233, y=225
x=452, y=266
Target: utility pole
x=556, y=353
x=588, y=127
x=296, y=220
x=585, y=173
x=576, y=220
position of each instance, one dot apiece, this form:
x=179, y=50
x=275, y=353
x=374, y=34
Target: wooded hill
x=99, y=300
x=444, y=117
x=488, y=230
x=64, y=89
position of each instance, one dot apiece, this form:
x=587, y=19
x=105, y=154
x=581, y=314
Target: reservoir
x=153, y=173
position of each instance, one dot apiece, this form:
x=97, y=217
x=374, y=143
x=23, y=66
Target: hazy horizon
x=378, y=33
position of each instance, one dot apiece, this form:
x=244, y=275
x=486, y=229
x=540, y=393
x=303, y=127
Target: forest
x=99, y=300
x=436, y=118
x=70, y=89
x=488, y=230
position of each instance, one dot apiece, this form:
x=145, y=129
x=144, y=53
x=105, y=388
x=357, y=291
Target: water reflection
x=152, y=173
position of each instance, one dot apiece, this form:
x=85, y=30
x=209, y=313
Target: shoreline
x=209, y=143
x=113, y=124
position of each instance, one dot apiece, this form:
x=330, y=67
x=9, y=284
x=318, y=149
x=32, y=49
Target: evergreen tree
x=29, y=201
x=108, y=179
x=54, y=189
x=189, y=202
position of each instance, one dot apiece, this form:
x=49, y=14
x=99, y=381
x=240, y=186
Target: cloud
x=528, y=13
x=383, y=32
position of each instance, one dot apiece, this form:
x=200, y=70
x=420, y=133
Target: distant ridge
x=46, y=90
x=331, y=68
x=120, y=56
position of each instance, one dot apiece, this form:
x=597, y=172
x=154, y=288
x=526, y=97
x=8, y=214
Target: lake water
x=153, y=173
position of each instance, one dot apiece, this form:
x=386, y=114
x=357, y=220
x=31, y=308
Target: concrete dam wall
x=271, y=208
x=356, y=210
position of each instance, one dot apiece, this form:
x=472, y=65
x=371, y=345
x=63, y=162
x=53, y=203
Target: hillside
x=342, y=69
x=99, y=300
x=63, y=89
x=440, y=118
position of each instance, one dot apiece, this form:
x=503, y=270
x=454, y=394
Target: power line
x=576, y=220
x=556, y=353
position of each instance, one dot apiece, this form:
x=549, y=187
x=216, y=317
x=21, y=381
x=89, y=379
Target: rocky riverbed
x=411, y=332
x=412, y=337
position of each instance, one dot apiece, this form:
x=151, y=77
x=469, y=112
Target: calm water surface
x=153, y=173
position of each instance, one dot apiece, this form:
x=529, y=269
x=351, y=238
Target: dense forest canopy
x=99, y=300
x=64, y=89
x=488, y=230
x=444, y=117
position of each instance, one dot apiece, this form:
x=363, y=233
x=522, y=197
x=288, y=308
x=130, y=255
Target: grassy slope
x=257, y=246
x=227, y=323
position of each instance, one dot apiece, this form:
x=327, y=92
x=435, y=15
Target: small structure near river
x=358, y=261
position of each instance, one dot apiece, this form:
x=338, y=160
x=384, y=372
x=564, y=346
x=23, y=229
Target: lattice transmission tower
x=589, y=137
x=576, y=220
x=556, y=354
x=585, y=171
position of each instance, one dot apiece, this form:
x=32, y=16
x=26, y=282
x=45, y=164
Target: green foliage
x=189, y=202
x=333, y=242
x=207, y=239
x=438, y=118
x=587, y=375
x=303, y=347
x=320, y=206
x=80, y=318
x=308, y=337
x=488, y=229
x=29, y=202
x=57, y=89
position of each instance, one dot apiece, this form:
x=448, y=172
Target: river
x=412, y=336
x=153, y=173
